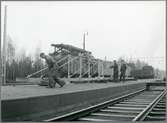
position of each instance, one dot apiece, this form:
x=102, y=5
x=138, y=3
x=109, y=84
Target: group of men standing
x=116, y=71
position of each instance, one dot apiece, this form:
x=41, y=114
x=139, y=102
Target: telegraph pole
x=4, y=48
x=0, y=72
x=84, y=39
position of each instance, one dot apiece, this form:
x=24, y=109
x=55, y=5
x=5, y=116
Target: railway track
x=158, y=113
x=142, y=105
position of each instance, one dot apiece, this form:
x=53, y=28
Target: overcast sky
x=115, y=29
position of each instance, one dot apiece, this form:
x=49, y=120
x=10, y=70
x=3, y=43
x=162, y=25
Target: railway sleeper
x=155, y=118
x=162, y=103
x=159, y=110
x=153, y=113
x=141, y=100
x=125, y=108
x=160, y=106
x=128, y=105
x=134, y=103
x=120, y=111
x=112, y=117
x=91, y=119
x=99, y=118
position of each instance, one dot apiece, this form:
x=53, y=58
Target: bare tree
x=38, y=64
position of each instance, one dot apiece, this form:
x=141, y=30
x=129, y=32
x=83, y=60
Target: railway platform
x=36, y=103
x=27, y=91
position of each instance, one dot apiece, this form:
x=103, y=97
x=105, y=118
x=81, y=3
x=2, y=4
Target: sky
x=129, y=29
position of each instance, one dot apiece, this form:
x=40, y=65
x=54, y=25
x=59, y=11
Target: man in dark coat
x=52, y=71
x=123, y=71
x=115, y=68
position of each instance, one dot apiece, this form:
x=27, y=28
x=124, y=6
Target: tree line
x=19, y=66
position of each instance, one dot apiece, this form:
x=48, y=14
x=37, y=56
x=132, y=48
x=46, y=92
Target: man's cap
x=41, y=54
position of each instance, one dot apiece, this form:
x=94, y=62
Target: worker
x=52, y=71
x=122, y=70
x=115, y=71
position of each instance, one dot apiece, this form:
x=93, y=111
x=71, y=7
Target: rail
x=146, y=111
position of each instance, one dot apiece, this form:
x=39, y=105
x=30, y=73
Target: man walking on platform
x=115, y=68
x=123, y=70
x=52, y=71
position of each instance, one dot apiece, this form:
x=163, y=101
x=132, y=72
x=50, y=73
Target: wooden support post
x=68, y=67
x=84, y=41
x=105, y=63
x=99, y=68
x=102, y=69
x=88, y=67
x=112, y=71
x=0, y=64
x=72, y=66
x=80, y=65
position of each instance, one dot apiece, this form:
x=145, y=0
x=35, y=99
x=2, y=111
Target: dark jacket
x=53, y=68
x=50, y=62
x=115, y=67
x=123, y=68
